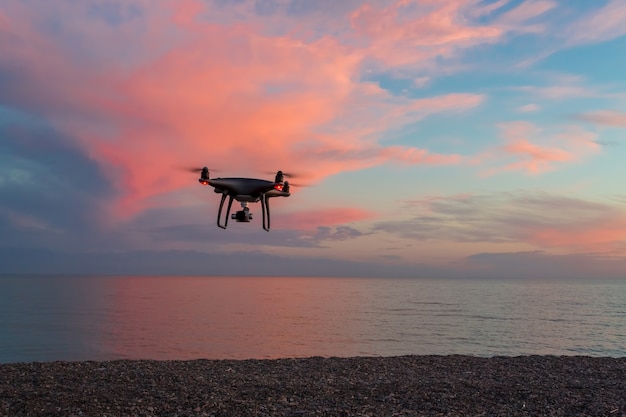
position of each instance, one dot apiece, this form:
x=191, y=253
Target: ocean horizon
x=73, y=318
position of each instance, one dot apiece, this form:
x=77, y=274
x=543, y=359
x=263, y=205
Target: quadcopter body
x=245, y=190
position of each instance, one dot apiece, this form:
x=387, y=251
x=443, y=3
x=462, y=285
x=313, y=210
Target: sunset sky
x=432, y=138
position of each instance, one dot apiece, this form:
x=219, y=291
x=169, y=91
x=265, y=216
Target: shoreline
x=432, y=385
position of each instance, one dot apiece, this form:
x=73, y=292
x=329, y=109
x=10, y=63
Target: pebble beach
x=454, y=385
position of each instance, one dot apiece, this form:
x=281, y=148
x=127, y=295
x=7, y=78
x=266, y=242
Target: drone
x=245, y=190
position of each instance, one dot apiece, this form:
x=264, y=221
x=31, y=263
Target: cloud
x=190, y=236
x=303, y=220
x=609, y=118
x=338, y=234
x=541, y=265
x=47, y=186
x=206, y=236
x=177, y=262
x=603, y=24
x=559, y=26
x=501, y=266
x=558, y=87
x=523, y=18
x=537, y=219
x=564, y=91
x=406, y=34
x=485, y=9
x=160, y=229
x=528, y=108
x=182, y=88
x=534, y=151
x=321, y=236
x=421, y=82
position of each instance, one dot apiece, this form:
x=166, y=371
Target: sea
x=77, y=318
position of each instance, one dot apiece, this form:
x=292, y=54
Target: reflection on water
x=80, y=318
x=234, y=317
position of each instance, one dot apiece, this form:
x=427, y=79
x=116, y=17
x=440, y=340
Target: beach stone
x=454, y=385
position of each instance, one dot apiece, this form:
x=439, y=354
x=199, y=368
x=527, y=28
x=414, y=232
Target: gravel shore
x=391, y=386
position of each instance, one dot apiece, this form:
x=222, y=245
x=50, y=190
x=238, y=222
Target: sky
x=430, y=138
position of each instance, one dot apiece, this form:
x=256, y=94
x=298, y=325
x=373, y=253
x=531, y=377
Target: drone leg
x=230, y=203
x=219, y=212
x=265, y=209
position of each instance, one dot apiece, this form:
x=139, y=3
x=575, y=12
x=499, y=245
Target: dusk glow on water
x=97, y=318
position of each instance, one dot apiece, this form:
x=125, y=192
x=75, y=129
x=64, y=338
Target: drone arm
x=219, y=212
x=265, y=209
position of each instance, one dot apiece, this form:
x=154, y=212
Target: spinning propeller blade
x=285, y=174
x=194, y=170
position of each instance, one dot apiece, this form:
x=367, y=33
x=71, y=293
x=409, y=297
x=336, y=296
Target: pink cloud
x=578, y=225
x=346, y=158
x=562, y=92
x=564, y=87
x=606, y=23
x=600, y=235
x=183, y=90
x=487, y=9
x=528, y=108
x=518, y=18
x=605, y=118
x=408, y=32
x=535, y=151
x=534, y=158
x=4, y=22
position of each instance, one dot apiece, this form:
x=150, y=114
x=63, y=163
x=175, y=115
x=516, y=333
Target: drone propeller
x=291, y=175
x=285, y=174
x=194, y=170
x=204, y=173
x=280, y=176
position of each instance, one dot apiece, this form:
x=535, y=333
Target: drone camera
x=242, y=216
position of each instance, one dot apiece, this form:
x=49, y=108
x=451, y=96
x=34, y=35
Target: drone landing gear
x=265, y=209
x=243, y=215
x=219, y=212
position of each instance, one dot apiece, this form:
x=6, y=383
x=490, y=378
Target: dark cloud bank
x=44, y=261
x=497, y=266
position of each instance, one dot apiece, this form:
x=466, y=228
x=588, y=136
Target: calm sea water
x=102, y=318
